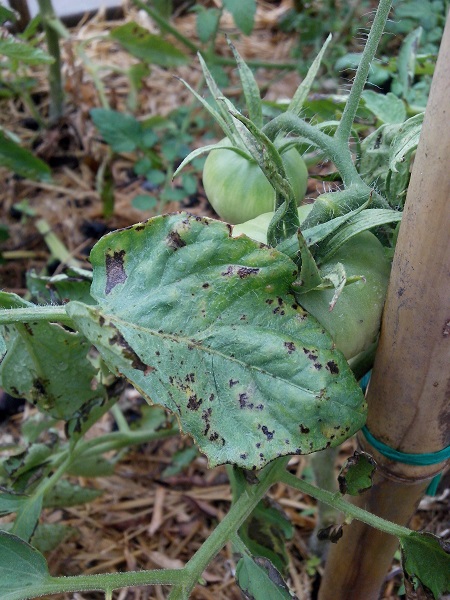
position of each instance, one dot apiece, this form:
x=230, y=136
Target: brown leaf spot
x=129, y=354
x=115, y=272
x=304, y=429
x=174, y=240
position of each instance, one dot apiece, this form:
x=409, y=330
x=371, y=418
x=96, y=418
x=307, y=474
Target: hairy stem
x=332, y=148
x=229, y=526
x=344, y=129
x=34, y=314
x=351, y=511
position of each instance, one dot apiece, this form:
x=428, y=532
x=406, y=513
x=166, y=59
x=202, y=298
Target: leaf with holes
x=206, y=325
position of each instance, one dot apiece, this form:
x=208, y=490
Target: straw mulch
x=142, y=520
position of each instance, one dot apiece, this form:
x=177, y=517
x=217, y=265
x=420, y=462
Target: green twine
x=427, y=458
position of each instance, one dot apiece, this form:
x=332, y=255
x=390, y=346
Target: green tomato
x=257, y=228
x=238, y=190
x=354, y=322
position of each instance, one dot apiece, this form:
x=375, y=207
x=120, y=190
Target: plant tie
x=427, y=458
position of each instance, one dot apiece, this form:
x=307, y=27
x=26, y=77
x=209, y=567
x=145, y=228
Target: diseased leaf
x=260, y=580
x=356, y=474
x=42, y=360
x=427, y=557
x=73, y=284
x=265, y=533
x=147, y=46
x=249, y=87
x=23, y=570
x=206, y=325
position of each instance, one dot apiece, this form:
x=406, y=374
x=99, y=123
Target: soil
x=143, y=519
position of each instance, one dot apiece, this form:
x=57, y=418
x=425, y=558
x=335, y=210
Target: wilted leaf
x=356, y=474
x=427, y=558
x=205, y=325
x=147, y=46
x=260, y=580
x=265, y=533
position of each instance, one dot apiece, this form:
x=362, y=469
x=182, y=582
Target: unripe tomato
x=238, y=190
x=354, y=322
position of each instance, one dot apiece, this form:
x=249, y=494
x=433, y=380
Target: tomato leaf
x=48, y=365
x=18, y=557
x=301, y=94
x=427, y=558
x=243, y=12
x=356, y=474
x=260, y=580
x=388, y=108
x=147, y=46
x=249, y=87
x=122, y=132
x=205, y=325
x=22, y=161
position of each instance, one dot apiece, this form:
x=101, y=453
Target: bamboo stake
x=409, y=391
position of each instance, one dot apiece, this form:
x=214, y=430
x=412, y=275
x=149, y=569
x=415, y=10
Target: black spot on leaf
x=332, y=367
x=194, y=402
x=290, y=346
x=267, y=433
x=246, y=271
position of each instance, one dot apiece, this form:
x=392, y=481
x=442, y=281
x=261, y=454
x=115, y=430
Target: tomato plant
x=354, y=320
